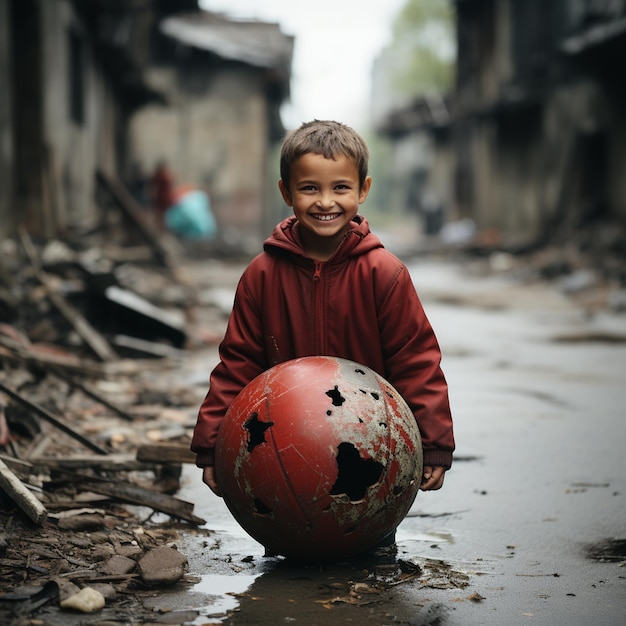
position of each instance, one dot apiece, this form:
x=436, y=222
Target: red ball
x=319, y=458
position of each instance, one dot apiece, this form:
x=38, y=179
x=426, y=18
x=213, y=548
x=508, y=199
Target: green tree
x=423, y=47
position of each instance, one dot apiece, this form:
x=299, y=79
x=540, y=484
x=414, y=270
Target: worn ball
x=319, y=458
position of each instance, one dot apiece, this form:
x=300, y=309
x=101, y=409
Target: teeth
x=325, y=218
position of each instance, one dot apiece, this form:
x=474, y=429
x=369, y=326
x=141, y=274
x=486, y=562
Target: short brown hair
x=328, y=138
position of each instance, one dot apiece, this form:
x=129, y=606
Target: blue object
x=191, y=217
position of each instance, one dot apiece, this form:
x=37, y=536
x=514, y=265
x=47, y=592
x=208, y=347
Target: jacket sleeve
x=413, y=366
x=241, y=359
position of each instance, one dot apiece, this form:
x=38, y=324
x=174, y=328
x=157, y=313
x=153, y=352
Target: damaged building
x=104, y=86
x=224, y=82
x=95, y=89
x=92, y=293
x=97, y=312
x=536, y=139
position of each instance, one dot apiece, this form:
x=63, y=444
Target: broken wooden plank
x=87, y=390
x=148, y=348
x=120, y=462
x=16, y=490
x=166, y=453
x=141, y=317
x=124, y=200
x=15, y=464
x=52, y=419
x=11, y=350
x=85, y=330
x=138, y=496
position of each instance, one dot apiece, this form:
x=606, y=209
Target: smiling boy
x=325, y=285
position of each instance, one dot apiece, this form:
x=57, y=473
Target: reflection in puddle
x=441, y=537
x=608, y=551
x=222, y=590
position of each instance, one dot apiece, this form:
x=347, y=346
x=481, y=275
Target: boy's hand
x=208, y=478
x=432, y=478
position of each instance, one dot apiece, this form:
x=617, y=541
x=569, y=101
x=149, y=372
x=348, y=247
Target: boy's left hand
x=432, y=478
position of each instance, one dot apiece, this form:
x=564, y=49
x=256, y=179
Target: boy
x=325, y=285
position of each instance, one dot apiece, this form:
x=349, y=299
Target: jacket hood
x=358, y=240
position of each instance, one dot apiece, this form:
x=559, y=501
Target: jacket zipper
x=318, y=287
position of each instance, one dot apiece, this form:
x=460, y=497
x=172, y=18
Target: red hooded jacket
x=359, y=305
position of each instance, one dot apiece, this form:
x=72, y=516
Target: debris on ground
x=95, y=423
x=92, y=441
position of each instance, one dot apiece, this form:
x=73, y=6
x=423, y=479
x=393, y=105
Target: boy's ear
x=365, y=189
x=284, y=192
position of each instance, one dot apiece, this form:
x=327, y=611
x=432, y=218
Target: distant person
x=161, y=192
x=367, y=309
x=191, y=217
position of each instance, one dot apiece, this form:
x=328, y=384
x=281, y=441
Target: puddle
x=224, y=588
x=213, y=596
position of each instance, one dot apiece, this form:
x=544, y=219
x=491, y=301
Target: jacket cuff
x=205, y=458
x=438, y=458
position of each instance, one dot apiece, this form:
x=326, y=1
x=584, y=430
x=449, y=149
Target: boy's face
x=325, y=195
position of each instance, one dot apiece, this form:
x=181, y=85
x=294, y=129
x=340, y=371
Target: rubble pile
x=92, y=441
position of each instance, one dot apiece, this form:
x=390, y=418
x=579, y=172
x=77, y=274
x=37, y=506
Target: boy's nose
x=326, y=201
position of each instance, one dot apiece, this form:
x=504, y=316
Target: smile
x=325, y=217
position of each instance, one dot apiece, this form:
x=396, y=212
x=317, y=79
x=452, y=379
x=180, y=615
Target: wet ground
x=530, y=526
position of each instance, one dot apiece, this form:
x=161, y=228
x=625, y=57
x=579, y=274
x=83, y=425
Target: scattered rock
x=129, y=550
x=102, y=552
x=87, y=600
x=162, y=566
x=118, y=566
x=67, y=589
x=108, y=591
x=81, y=522
x=475, y=597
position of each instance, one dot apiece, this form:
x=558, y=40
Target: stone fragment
x=87, y=600
x=81, y=522
x=67, y=589
x=162, y=565
x=108, y=591
x=102, y=552
x=130, y=550
x=118, y=566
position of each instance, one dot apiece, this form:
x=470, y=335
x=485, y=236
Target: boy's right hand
x=208, y=478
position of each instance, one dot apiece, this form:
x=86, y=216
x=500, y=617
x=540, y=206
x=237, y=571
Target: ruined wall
x=214, y=135
x=539, y=133
x=617, y=151
x=6, y=141
x=80, y=118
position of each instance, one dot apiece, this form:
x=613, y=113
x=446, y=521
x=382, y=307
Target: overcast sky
x=336, y=42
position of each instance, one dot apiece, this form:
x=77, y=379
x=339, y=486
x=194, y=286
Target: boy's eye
x=308, y=188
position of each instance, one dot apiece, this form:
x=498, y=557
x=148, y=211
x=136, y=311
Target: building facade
x=535, y=139
x=102, y=85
